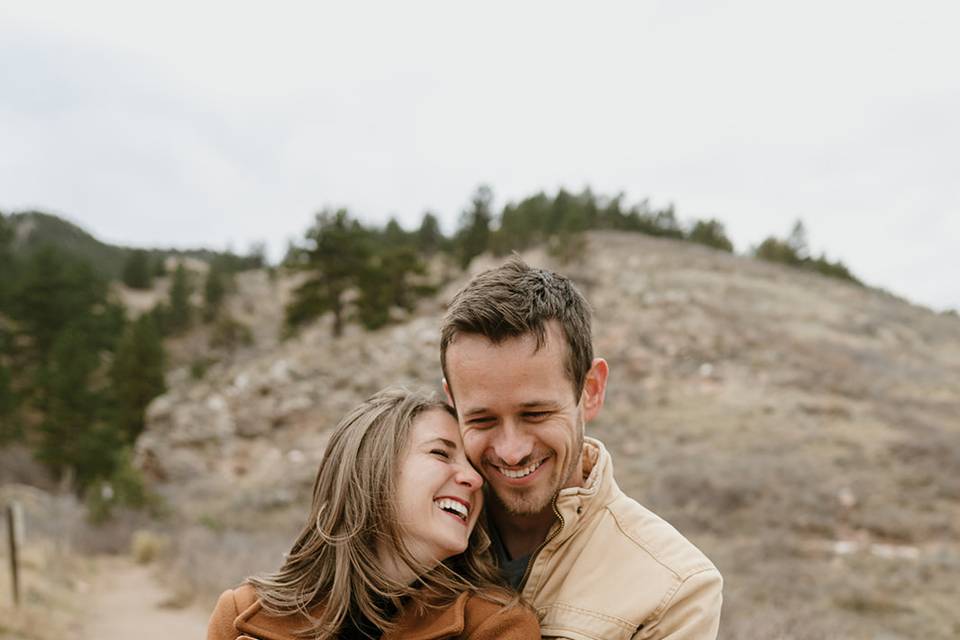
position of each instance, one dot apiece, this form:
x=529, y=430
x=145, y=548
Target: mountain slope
x=801, y=430
x=33, y=229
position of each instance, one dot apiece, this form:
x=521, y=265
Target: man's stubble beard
x=528, y=503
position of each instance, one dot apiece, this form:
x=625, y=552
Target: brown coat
x=239, y=615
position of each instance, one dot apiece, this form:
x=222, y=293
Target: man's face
x=521, y=422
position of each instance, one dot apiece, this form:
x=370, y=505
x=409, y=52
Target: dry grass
x=147, y=546
x=51, y=581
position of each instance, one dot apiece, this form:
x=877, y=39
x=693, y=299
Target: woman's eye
x=440, y=452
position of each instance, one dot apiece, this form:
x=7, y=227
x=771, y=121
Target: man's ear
x=446, y=391
x=594, y=389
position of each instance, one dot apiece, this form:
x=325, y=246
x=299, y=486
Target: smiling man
x=517, y=357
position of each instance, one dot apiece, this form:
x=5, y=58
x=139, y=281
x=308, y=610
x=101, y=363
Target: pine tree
x=336, y=256
x=7, y=264
x=797, y=240
x=54, y=289
x=387, y=284
x=136, y=270
x=10, y=428
x=214, y=289
x=522, y=225
x=712, y=234
x=160, y=266
x=473, y=236
x=136, y=375
x=180, y=314
x=73, y=434
x=429, y=237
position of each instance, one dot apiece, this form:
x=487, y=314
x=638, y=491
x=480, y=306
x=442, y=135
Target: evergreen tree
x=797, y=240
x=10, y=428
x=712, y=234
x=136, y=375
x=429, y=238
x=394, y=235
x=54, y=289
x=473, y=237
x=522, y=225
x=214, y=289
x=336, y=255
x=386, y=284
x=73, y=434
x=9, y=401
x=612, y=216
x=136, y=270
x=180, y=312
x=7, y=264
x=160, y=266
x=775, y=250
x=665, y=224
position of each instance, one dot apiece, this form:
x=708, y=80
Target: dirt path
x=127, y=602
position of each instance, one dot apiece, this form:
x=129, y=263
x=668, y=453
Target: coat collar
x=599, y=487
x=432, y=624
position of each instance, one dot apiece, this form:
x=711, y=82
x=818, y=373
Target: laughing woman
x=391, y=548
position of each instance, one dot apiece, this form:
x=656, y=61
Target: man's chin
x=525, y=503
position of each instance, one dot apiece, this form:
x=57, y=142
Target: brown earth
x=127, y=601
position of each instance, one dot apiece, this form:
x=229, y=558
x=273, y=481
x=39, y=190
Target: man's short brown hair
x=516, y=299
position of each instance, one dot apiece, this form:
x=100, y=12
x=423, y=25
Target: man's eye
x=536, y=415
x=440, y=452
x=480, y=422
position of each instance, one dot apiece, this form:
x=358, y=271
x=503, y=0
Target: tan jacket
x=238, y=614
x=610, y=569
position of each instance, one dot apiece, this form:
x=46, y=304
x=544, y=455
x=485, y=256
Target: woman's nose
x=468, y=476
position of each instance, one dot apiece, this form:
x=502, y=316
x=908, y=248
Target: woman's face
x=439, y=497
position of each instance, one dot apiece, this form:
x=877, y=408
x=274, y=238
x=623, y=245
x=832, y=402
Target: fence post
x=12, y=512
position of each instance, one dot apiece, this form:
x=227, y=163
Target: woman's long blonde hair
x=334, y=561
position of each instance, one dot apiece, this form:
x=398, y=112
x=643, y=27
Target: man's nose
x=513, y=446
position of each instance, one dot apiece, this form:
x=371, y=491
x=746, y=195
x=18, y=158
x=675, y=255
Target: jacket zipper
x=533, y=558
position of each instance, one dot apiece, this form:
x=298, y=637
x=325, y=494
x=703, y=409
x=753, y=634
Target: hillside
x=802, y=431
x=33, y=229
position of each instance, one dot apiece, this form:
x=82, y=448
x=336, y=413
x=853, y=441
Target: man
x=518, y=364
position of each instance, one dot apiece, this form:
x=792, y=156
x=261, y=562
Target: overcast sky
x=216, y=124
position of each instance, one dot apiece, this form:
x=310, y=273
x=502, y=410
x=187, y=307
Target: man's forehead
x=553, y=339
x=482, y=373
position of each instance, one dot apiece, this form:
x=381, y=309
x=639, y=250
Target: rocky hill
x=804, y=432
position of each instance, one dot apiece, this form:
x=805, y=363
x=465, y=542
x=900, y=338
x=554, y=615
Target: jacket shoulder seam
x=668, y=597
x=694, y=569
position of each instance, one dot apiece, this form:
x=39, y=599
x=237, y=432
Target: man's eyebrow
x=538, y=403
x=530, y=404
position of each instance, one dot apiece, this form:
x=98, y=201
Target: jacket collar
x=431, y=624
x=599, y=488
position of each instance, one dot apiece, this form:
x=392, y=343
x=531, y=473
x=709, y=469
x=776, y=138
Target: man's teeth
x=452, y=505
x=520, y=473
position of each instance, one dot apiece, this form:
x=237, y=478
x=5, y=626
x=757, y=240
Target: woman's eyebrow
x=444, y=441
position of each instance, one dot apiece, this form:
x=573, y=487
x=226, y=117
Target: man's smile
x=521, y=472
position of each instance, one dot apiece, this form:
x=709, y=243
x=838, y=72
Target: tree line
x=76, y=371
x=368, y=274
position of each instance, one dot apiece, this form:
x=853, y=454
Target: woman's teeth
x=453, y=507
x=520, y=473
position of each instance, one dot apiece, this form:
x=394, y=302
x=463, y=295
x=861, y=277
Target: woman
x=391, y=548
